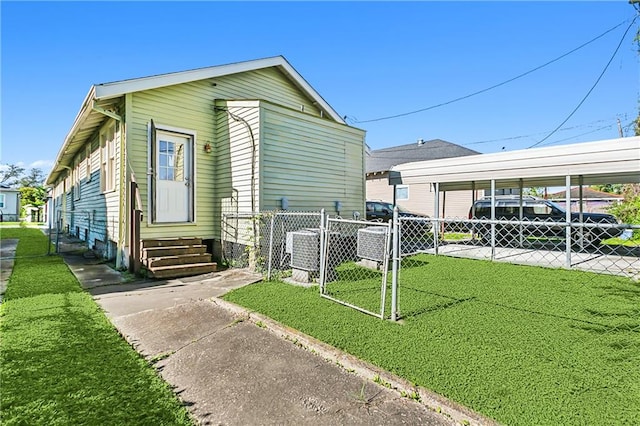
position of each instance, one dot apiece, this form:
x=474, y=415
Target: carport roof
x=600, y=162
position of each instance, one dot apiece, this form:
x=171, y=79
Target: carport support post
x=436, y=211
x=568, y=219
x=493, y=219
x=521, y=213
x=581, y=210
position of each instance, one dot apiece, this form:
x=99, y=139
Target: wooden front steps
x=176, y=257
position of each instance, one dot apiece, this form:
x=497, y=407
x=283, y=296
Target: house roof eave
x=119, y=88
x=87, y=121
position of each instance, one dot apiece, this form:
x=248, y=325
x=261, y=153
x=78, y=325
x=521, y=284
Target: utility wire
x=495, y=85
x=411, y=147
x=609, y=126
x=436, y=148
x=592, y=87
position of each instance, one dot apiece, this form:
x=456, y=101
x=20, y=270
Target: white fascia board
x=306, y=87
x=118, y=88
x=82, y=115
x=609, y=157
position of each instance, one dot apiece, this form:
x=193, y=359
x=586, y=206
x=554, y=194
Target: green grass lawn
x=520, y=344
x=23, y=224
x=61, y=361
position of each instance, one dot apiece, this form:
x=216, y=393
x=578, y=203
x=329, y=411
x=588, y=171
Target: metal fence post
x=270, y=246
x=396, y=263
x=49, y=245
x=323, y=243
x=58, y=236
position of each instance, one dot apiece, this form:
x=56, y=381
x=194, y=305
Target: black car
x=539, y=210
x=382, y=211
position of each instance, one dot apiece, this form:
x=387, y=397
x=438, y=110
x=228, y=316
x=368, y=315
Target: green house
x=166, y=156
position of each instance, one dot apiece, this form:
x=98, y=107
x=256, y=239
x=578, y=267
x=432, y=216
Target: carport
x=611, y=161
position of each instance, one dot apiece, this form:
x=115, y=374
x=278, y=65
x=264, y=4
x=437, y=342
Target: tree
x=534, y=191
x=32, y=190
x=10, y=174
x=628, y=211
x=612, y=188
x=34, y=178
x=34, y=195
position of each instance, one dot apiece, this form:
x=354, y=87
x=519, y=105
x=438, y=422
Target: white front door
x=173, y=177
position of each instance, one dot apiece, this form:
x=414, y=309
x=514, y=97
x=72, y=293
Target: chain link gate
x=355, y=264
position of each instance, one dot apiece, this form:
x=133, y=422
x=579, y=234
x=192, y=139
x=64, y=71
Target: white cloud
x=43, y=165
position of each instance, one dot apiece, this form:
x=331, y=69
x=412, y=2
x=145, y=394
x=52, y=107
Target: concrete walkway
x=7, y=254
x=233, y=367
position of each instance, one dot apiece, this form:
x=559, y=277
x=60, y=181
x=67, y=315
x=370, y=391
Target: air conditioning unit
x=371, y=243
x=289, y=243
x=305, y=250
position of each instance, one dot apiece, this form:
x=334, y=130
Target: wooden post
x=134, y=236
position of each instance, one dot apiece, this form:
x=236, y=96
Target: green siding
x=310, y=161
x=234, y=156
x=191, y=106
x=95, y=215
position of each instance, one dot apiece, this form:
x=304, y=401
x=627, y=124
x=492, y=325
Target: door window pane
x=166, y=160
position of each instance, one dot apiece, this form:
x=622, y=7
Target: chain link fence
x=74, y=230
x=599, y=248
x=352, y=262
x=589, y=246
x=263, y=241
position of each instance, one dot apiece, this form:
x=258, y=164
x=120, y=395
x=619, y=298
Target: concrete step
x=177, y=271
x=169, y=242
x=173, y=251
x=178, y=260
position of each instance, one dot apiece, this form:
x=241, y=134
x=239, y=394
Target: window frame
x=2, y=201
x=75, y=180
x=107, y=158
x=88, y=163
x=402, y=188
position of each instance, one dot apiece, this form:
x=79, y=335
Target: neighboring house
x=243, y=137
x=418, y=198
x=593, y=201
x=9, y=204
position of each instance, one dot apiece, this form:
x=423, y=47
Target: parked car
x=538, y=210
x=382, y=211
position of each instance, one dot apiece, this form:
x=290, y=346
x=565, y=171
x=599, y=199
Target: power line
x=577, y=126
x=411, y=147
x=412, y=158
x=609, y=126
x=495, y=85
x=592, y=87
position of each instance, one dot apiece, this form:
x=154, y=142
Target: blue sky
x=367, y=59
